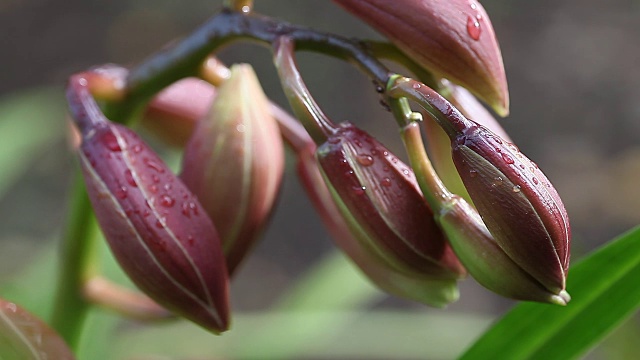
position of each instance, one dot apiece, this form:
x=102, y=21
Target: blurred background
x=574, y=81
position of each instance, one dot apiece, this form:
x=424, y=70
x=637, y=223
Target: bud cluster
x=181, y=237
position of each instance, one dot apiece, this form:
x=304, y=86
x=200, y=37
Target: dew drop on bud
x=167, y=201
x=359, y=190
x=416, y=86
x=129, y=177
x=516, y=189
x=535, y=181
x=507, y=158
x=386, y=182
x=365, y=160
x=473, y=173
x=121, y=193
x=153, y=165
x=473, y=27
x=111, y=142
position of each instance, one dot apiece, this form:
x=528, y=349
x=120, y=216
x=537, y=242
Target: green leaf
x=369, y=334
x=30, y=122
x=605, y=291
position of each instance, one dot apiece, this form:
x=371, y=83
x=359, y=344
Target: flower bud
x=453, y=39
x=23, y=336
x=405, y=284
x=234, y=163
x=155, y=227
x=517, y=203
x=173, y=113
x=379, y=198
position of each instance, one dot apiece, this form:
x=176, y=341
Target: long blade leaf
x=605, y=291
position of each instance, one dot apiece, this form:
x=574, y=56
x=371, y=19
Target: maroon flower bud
x=517, y=202
x=454, y=39
x=24, y=336
x=402, y=283
x=234, y=163
x=380, y=198
x=156, y=229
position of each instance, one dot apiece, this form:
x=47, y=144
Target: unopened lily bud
x=24, y=336
x=480, y=247
x=453, y=39
x=234, y=162
x=517, y=202
x=155, y=227
x=382, y=203
x=173, y=113
x=402, y=283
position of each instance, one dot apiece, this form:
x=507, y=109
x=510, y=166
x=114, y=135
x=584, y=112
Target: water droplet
x=190, y=240
x=359, y=190
x=160, y=223
x=473, y=28
x=516, y=189
x=121, y=193
x=246, y=9
x=535, y=180
x=365, y=160
x=111, y=142
x=473, y=173
x=153, y=189
x=385, y=153
x=513, y=148
x=129, y=177
x=137, y=148
x=167, y=186
x=374, y=152
x=532, y=169
x=185, y=210
x=522, y=166
x=379, y=89
x=240, y=128
x=151, y=164
x=497, y=140
x=349, y=173
x=394, y=160
x=508, y=159
x=166, y=201
x=498, y=181
x=386, y=182
x=155, y=178
x=358, y=143
x=405, y=172
x=474, y=6
x=416, y=86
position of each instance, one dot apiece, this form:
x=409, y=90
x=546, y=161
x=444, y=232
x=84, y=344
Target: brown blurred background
x=574, y=77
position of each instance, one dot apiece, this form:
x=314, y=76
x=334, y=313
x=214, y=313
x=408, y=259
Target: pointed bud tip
x=562, y=298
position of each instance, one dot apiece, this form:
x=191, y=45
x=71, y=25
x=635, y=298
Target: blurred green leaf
x=605, y=290
x=34, y=286
x=30, y=121
x=397, y=335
